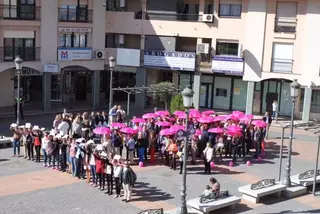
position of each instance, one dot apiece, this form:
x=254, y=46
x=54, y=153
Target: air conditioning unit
x=122, y=3
x=203, y=48
x=100, y=54
x=121, y=39
x=207, y=18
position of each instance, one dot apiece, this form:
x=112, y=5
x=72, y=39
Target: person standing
x=275, y=108
x=268, y=120
x=181, y=156
x=44, y=145
x=16, y=140
x=24, y=142
x=109, y=175
x=116, y=142
x=152, y=145
x=127, y=177
x=117, y=169
x=112, y=114
x=207, y=157
x=131, y=146
x=49, y=149
x=37, y=135
x=100, y=167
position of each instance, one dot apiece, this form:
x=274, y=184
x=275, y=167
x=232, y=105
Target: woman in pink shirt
x=72, y=156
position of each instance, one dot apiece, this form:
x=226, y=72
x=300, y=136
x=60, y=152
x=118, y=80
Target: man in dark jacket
x=204, y=138
x=128, y=179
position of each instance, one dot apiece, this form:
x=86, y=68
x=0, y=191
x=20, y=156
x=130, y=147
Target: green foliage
x=163, y=91
x=176, y=103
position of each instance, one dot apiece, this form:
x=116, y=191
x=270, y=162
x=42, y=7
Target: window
x=208, y=7
x=221, y=92
x=315, y=101
x=75, y=40
x=111, y=5
x=23, y=9
x=56, y=87
x=18, y=46
x=286, y=19
x=227, y=48
x=112, y=41
x=282, y=60
x=73, y=13
x=233, y=10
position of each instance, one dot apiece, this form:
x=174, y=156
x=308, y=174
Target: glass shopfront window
x=239, y=97
x=56, y=87
x=185, y=80
x=222, y=95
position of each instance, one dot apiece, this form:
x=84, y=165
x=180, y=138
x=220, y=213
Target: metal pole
x=18, y=99
x=128, y=104
x=110, y=89
x=288, y=180
x=316, y=169
x=281, y=151
x=183, y=194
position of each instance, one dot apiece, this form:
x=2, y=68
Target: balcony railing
x=287, y=25
x=172, y=17
x=75, y=15
x=20, y=12
x=282, y=65
x=205, y=60
x=25, y=53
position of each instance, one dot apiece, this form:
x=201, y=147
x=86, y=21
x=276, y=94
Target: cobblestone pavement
x=27, y=187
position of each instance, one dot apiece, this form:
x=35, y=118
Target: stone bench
x=215, y=203
x=254, y=192
x=305, y=179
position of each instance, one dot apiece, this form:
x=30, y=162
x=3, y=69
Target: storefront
x=270, y=90
x=30, y=85
x=73, y=83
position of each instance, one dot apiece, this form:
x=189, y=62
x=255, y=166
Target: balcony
x=285, y=25
x=206, y=61
x=75, y=15
x=281, y=65
x=171, y=17
x=20, y=12
x=25, y=53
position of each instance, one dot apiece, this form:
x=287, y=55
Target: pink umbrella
x=216, y=130
x=162, y=113
x=117, y=125
x=149, y=115
x=234, y=128
x=238, y=114
x=163, y=123
x=177, y=113
x=231, y=117
x=166, y=132
x=182, y=116
x=172, y=119
x=259, y=123
x=137, y=120
x=128, y=130
x=102, y=130
x=176, y=128
x=207, y=113
x=218, y=118
x=246, y=117
x=198, y=132
x=194, y=113
x=234, y=133
x=205, y=120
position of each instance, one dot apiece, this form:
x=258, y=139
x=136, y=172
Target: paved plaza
x=26, y=187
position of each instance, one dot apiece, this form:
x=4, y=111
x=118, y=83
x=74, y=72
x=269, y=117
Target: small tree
x=163, y=91
x=176, y=103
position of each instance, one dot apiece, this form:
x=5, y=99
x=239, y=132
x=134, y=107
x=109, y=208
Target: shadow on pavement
x=3, y=160
x=144, y=192
x=290, y=211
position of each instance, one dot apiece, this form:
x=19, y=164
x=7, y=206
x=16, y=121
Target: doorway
x=81, y=90
x=269, y=100
x=205, y=95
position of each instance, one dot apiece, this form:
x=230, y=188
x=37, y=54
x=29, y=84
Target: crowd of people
x=87, y=145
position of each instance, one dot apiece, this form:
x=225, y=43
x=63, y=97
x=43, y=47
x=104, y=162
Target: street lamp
x=18, y=62
x=294, y=92
x=187, y=95
x=112, y=63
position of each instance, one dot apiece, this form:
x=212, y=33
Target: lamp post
x=18, y=62
x=294, y=92
x=112, y=63
x=187, y=95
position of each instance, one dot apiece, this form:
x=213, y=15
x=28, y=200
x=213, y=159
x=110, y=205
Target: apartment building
x=236, y=54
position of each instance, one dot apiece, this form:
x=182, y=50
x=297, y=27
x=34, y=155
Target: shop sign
x=227, y=65
x=29, y=72
x=184, y=61
x=51, y=68
x=74, y=30
x=74, y=54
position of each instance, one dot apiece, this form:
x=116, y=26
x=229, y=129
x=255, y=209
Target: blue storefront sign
x=227, y=65
x=184, y=61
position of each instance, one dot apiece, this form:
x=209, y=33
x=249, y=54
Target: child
x=207, y=191
x=117, y=169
